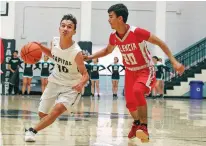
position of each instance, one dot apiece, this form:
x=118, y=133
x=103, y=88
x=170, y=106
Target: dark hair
x=155, y=57
x=16, y=51
x=71, y=18
x=117, y=59
x=119, y=10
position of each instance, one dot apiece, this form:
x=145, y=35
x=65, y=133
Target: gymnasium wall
x=40, y=21
x=7, y=26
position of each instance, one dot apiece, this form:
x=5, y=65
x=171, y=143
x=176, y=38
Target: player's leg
x=65, y=100
x=97, y=87
x=29, y=85
x=47, y=101
x=143, y=85
x=92, y=87
x=131, y=102
x=140, y=90
x=45, y=122
x=58, y=109
x=24, y=85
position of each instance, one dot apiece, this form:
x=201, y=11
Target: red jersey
x=133, y=48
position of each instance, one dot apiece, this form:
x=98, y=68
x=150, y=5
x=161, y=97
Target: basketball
x=31, y=53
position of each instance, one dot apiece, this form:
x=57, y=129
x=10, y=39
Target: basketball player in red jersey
x=139, y=72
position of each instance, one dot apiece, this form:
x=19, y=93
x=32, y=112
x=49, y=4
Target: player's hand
x=86, y=58
x=37, y=43
x=179, y=67
x=78, y=87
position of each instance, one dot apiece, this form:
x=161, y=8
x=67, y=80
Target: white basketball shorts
x=55, y=93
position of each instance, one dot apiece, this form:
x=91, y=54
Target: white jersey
x=65, y=71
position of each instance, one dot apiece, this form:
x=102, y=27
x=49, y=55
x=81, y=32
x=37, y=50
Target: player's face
x=114, y=20
x=67, y=28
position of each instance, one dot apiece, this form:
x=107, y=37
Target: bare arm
x=82, y=69
x=155, y=40
x=104, y=52
x=44, y=49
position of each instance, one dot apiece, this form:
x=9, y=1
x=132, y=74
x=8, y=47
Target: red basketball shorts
x=137, y=85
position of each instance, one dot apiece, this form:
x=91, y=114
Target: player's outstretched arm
x=82, y=69
x=45, y=50
x=176, y=65
x=104, y=52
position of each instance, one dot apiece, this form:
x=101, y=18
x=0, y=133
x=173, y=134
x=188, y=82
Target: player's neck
x=65, y=43
x=122, y=30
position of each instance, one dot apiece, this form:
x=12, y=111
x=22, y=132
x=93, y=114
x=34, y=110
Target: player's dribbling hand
x=78, y=87
x=37, y=43
x=86, y=58
x=179, y=68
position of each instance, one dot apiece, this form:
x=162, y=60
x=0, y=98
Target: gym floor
x=105, y=122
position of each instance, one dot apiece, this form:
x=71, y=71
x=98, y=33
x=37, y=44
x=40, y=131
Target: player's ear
x=74, y=32
x=120, y=18
x=59, y=29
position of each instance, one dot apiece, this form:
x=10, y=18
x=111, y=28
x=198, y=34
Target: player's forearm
x=46, y=50
x=167, y=51
x=100, y=53
x=85, y=78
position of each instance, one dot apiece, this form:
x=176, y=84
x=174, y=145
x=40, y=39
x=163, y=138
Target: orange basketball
x=31, y=53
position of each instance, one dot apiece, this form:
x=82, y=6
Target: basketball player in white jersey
x=66, y=80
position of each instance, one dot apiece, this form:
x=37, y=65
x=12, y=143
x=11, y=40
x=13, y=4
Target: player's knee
x=139, y=91
x=58, y=110
x=131, y=106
